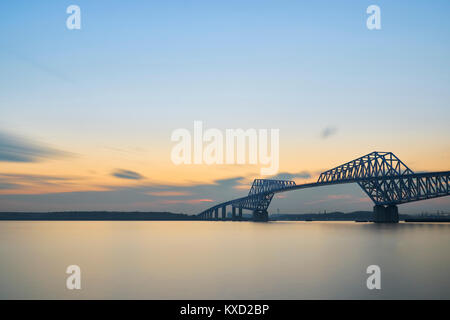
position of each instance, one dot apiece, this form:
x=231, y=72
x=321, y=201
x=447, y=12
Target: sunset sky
x=86, y=115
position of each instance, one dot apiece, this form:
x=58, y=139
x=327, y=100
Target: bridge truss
x=381, y=175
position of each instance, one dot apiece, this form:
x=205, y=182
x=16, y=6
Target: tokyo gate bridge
x=386, y=180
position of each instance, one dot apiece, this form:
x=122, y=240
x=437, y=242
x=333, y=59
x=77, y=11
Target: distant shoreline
x=357, y=216
x=95, y=216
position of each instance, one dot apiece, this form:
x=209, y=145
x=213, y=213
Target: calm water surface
x=223, y=260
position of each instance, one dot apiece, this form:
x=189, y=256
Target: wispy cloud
x=18, y=149
x=32, y=177
x=8, y=186
x=187, y=201
x=291, y=176
x=230, y=182
x=328, y=132
x=42, y=67
x=14, y=183
x=127, y=174
x=169, y=193
x=333, y=197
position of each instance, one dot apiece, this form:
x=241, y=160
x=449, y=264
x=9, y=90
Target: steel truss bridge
x=383, y=177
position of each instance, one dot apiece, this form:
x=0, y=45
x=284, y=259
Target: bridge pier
x=224, y=212
x=388, y=214
x=240, y=213
x=216, y=213
x=233, y=213
x=260, y=215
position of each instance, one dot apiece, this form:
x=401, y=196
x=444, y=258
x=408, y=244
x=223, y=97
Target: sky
x=86, y=116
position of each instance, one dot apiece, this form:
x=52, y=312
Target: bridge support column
x=224, y=212
x=384, y=214
x=216, y=213
x=260, y=215
x=240, y=213
x=233, y=213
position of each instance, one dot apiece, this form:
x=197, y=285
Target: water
x=223, y=260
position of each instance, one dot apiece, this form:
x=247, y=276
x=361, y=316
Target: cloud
x=36, y=183
x=191, y=198
x=292, y=176
x=187, y=201
x=333, y=197
x=17, y=149
x=169, y=193
x=45, y=68
x=230, y=182
x=32, y=177
x=328, y=132
x=127, y=174
x=339, y=196
x=7, y=186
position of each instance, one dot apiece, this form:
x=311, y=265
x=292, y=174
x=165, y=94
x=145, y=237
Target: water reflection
x=224, y=260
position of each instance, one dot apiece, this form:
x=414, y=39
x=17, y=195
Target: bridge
x=385, y=179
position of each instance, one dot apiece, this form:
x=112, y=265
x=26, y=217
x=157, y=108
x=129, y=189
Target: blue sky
x=112, y=92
